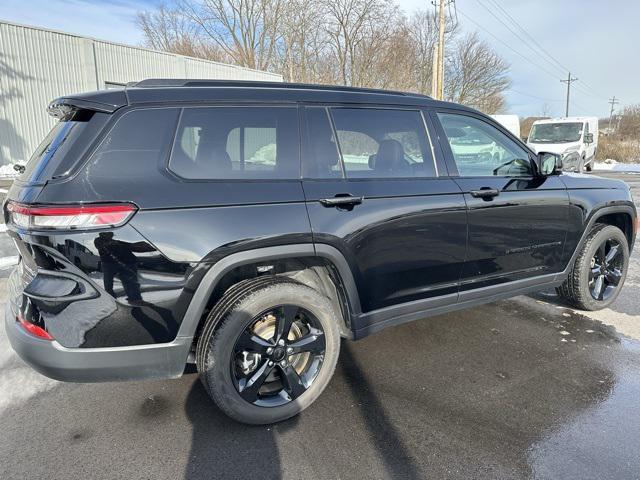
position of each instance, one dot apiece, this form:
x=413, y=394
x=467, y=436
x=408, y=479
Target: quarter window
x=237, y=143
x=383, y=143
x=138, y=143
x=480, y=149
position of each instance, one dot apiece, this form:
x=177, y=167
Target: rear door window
x=237, y=143
x=383, y=143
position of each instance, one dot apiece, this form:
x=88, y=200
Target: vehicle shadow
x=224, y=448
x=387, y=440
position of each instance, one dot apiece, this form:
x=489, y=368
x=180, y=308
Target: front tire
x=599, y=271
x=272, y=352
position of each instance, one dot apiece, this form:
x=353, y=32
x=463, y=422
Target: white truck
x=575, y=138
x=510, y=122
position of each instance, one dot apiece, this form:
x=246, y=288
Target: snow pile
x=8, y=170
x=615, y=166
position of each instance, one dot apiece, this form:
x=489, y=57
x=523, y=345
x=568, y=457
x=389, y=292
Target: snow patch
x=18, y=381
x=20, y=384
x=9, y=170
x=615, y=166
x=7, y=262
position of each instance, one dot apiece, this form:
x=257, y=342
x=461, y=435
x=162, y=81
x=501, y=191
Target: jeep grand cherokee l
x=247, y=227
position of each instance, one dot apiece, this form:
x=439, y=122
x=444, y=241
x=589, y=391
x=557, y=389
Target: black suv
x=247, y=227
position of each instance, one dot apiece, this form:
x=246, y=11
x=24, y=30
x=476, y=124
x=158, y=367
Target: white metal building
x=38, y=65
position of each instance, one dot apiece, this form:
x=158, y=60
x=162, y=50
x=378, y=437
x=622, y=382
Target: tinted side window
x=383, y=143
x=321, y=160
x=480, y=149
x=237, y=143
x=137, y=144
x=64, y=146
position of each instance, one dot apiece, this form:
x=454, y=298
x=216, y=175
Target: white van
x=510, y=122
x=578, y=135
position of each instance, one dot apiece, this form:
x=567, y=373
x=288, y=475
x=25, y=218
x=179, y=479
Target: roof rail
x=177, y=82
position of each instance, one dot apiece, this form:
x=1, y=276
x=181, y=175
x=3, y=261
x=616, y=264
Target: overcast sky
x=597, y=40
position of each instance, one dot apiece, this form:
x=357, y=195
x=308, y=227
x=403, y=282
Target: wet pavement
x=524, y=388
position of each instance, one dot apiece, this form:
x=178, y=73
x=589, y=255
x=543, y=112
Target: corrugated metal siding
x=38, y=65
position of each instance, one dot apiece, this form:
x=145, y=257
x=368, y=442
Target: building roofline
x=137, y=47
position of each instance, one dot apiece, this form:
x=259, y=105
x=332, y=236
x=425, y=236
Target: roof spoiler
x=102, y=101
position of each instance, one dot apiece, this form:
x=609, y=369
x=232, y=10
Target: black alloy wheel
x=268, y=349
x=278, y=356
x=606, y=270
x=599, y=271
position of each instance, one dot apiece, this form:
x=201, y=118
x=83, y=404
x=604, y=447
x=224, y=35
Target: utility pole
x=612, y=101
x=441, y=26
x=434, y=72
x=568, y=81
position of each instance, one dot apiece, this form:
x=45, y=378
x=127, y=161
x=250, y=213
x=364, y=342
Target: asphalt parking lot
x=524, y=388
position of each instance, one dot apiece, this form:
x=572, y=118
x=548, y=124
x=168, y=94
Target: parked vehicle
x=247, y=227
x=510, y=122
x=565, y=136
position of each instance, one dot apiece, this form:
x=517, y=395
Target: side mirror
x=588, y=138
x=550, y=163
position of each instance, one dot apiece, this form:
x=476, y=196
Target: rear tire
x=599, y=271
x=230, y=370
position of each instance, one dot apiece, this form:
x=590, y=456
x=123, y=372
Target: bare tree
x=423, y=31
x=368, y=43
x=246, y=31
x=476, y=75
x=172, y=31
x=303, y=51
x=357, y=30
x=630, y=123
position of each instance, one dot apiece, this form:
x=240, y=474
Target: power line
x=526, y=32
x=541, y=52
x=597, y=94
x=532, y=40
x=580, y=107
x=580, y=86
x=536, y=97
x=523, y=40
x=537, y=65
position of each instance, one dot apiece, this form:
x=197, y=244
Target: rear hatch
x=80, y=121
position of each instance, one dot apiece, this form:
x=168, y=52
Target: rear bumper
x=165, y=360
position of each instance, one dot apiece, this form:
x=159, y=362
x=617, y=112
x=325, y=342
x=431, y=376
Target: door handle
x=342, y=201
x=486, y=193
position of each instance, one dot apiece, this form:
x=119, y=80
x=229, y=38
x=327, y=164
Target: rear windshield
x=63, y=147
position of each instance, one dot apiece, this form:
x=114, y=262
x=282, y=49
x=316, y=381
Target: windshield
x=555, y=132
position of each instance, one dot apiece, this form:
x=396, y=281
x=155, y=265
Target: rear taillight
x=69, y=217
x=34, y=330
